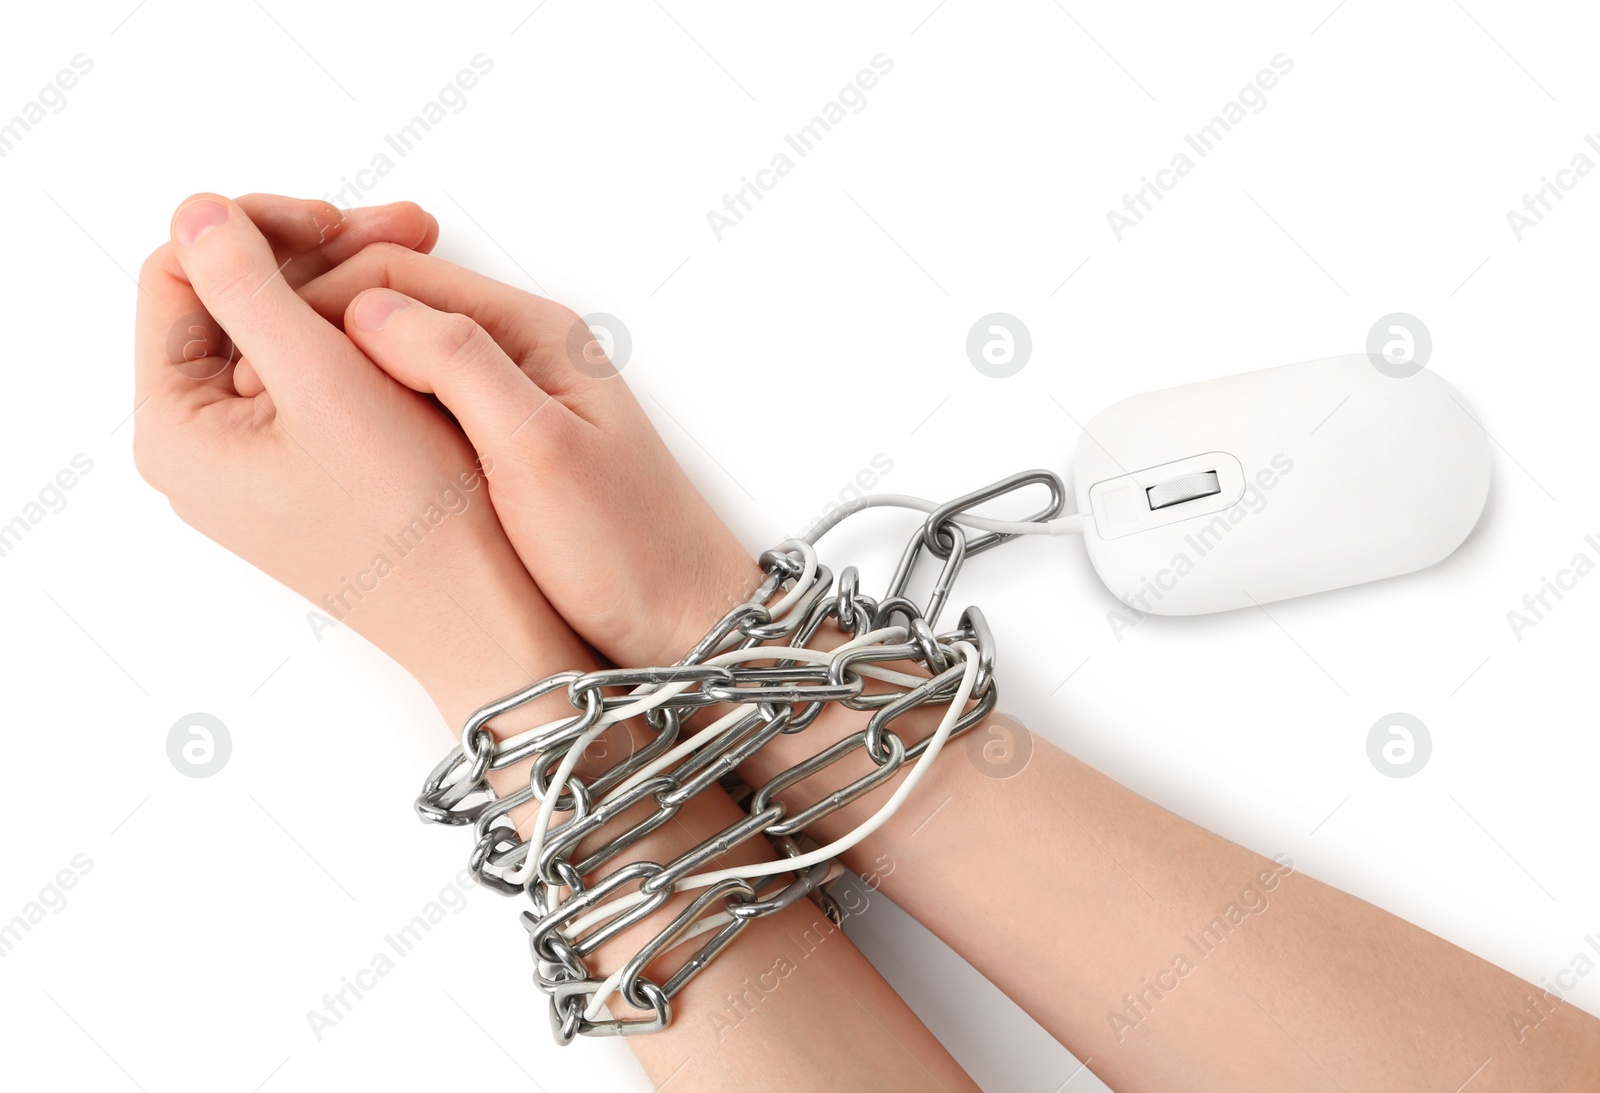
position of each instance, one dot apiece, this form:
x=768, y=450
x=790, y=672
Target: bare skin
x=308, y=474
x=1304, y=987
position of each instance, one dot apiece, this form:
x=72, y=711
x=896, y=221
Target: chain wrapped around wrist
x=756, y=663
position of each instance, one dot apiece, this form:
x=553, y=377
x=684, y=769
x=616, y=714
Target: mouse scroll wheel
x=1188, y=487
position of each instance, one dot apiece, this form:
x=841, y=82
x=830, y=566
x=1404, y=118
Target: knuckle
x=378, y=261
x=559, y=325
x=388, y=256
x=461, y=343
x=386, y=251
x=233, y=279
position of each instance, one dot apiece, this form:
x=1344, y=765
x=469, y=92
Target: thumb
x=450, y=356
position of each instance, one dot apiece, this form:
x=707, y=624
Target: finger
x=530, y=328
x=293, y=225
x=502, y=411
x=246, y=380
x=403, y=223
x=234, y=274
x=309, y=238
x=182, y=358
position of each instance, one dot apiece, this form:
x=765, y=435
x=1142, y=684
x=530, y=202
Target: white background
x=977, y=179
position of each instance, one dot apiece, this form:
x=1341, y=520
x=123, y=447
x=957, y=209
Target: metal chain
x=756, y=659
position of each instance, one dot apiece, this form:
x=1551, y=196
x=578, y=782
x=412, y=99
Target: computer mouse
x=1292, y=480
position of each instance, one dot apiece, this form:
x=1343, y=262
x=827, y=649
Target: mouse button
x=1118, y=507
x=1123, y=505
x=1188, y=487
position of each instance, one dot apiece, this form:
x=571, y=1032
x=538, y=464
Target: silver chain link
x=582, y=899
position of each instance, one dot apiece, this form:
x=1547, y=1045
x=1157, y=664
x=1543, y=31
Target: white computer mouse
x=1279, y=483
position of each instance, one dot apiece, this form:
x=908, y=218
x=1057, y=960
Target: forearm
x=1175, y=959
x=1098, y=893
x=791, y=999
x=1178, y=960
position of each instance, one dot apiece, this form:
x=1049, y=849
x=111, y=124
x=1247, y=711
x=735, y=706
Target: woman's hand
x=289, y=447
x=599, y=511
x=306, y=459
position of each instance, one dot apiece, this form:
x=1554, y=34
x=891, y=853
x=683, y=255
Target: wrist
x=726, y=578
x=488, y=637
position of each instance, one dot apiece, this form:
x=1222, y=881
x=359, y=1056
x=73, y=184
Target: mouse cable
x=1071, y=523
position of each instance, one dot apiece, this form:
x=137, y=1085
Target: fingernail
x=328, y=218
x=197, y=218
x=378, y=307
